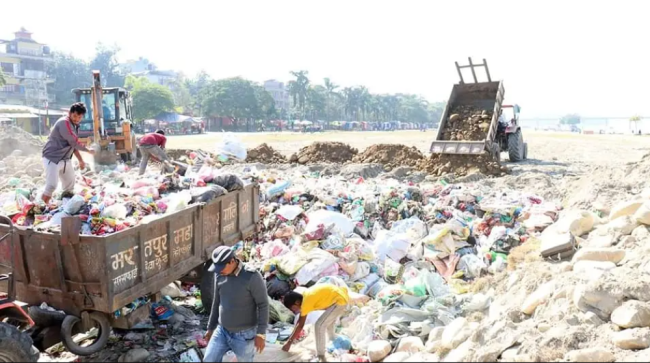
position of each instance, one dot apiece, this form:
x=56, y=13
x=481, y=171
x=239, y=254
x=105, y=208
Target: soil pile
x=460, y=165
x=467, y=123
x=324, y=152
x=390, y=155
x=265, y=154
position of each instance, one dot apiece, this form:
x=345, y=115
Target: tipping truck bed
x=482, y=95
x=76, y=273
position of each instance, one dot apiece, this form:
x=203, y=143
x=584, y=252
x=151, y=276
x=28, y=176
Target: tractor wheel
x=16, y=346
x=207, y=287
x=516, y=146
x=525, y=151
x=72, y=325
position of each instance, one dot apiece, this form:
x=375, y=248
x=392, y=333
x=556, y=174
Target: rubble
x=264, y=154
x=467, y=123
x=461, y=165
x=324, y=152
x=390, y=156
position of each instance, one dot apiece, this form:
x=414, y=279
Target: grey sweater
x=240, y=301
x=63, y=141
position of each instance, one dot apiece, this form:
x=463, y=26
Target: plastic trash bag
x=206, y=194
x=115, y=211
x=279, y=312
x=230, y=182
x=230, y=147
x=334, y=241
x=289, y=212
x=394, y=246
x=390, y=294
x=413, y=226
x=274, y=248
x=362, y=270
x=360, y=248
x=178, y=201
x=332, y=280
x=326, y=217
x=74, y=205
x=319, y=261
x=277, y=288
x=472, y=266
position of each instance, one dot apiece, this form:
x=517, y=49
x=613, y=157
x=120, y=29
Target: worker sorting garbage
x=61, y=144
x=152, y=145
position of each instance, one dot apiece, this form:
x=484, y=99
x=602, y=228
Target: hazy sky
x=555, y=57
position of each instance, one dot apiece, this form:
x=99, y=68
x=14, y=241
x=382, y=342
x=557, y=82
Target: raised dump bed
x=91, y=274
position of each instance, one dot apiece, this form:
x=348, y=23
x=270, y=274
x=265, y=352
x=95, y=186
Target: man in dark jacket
x=240, y=309
x=61, y=144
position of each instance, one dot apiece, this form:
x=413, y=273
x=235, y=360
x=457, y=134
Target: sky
x=554, y=57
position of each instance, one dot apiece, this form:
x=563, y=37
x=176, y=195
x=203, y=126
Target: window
x=7, y=68
x=108, y=107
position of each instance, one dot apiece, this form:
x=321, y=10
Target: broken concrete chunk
x=623, y=209
x=436, y=334
x=621, y=225
x=590, y=355
x=378, y=350
x=455, y=333
x=632, y=314
x=592, y=298
x=642, y=215
x=539, y=297
x=410, y=344
x=613, y=255
x=632, y=339
x=587, y=266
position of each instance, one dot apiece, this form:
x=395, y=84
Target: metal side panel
x=458, y=147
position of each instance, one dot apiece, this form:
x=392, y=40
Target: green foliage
x=231, y=97
x=149, y=99
x=68, y=73
x=3, y=81
x=570, y=119
x=105, y=61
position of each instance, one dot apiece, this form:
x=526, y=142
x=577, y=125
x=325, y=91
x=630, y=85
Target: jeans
x=241, y=343
x=148, y=151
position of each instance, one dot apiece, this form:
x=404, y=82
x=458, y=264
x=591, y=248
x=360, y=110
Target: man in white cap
x=240, y=309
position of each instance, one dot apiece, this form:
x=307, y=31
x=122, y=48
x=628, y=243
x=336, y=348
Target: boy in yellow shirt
x=333, y=299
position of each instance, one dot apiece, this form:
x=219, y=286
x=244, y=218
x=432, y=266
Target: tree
x=149, y=99
x=68, y=73
x=182, y=97
x=298, y=90
x=105, y=61
x=197, y=88
x=265, y=104
x=3, y=81
x=570, y=119
x=231, y=97
x=316, y=102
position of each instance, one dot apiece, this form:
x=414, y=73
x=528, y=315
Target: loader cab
x=116, y=107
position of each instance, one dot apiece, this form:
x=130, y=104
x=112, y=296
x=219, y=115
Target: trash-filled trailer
x=91, y=277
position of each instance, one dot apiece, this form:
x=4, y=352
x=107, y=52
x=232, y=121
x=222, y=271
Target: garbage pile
x=416, y=250
x=14, y=138
x=265, y=154
x=114, y=200
x=324, y=152
x=390, y=155
x=467, y=123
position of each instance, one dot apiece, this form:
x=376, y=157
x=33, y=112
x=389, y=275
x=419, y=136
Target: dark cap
x=220, y=258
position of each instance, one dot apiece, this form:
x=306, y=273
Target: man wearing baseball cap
x=240, y=309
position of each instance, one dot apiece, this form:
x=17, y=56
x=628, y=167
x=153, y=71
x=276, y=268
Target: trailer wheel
x=516, y=146
x=68, y=331
x=207, y=287
x=16, y=346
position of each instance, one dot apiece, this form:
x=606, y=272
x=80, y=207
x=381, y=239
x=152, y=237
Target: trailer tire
x=45, y=318
x=67, y=332
x=207, y=287
x=16, y=346
x=516, y=146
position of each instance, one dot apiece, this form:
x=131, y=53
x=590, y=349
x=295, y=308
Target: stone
x=641, y=232
x=632, y=314
x=410, y=344
x=509, y=354
x=626, y=208
x=590, y=355
x=423, y=357
x=586, y=266
x=134, y=355
x=461, y=353
x=592, y=319
x=642, y=215
x=627, y=242
x=632, y=339
x=539, y=297
x=397, y=357
x=601, y=302
x=596, y=240
x=378, y=350
x=455, y=333
x=436, y=334
x=599, y=254
x=543, y=327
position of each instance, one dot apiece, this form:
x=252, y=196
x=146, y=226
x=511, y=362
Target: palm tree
x=330, y=88
x=299, y=89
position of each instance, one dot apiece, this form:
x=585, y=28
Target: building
x=163, y=78
x=136, y=66
x=24, y=63
x=280, y=94
x=33, y=120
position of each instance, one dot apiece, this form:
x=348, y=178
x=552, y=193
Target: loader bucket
x=105, y=154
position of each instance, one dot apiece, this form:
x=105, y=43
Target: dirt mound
x=324, y=152
x=265, y=154
x=460, y=165
x=390, y=155
x=467, y=123
x=14, y=140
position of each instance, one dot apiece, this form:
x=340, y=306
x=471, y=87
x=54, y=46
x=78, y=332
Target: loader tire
x=516, y=146
x=16, y=346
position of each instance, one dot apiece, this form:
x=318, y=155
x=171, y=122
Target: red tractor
x=16, y=344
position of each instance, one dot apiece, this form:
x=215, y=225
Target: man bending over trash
x=240, y=308
x=61, y=144
x=331, y=298
x=152, y=145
